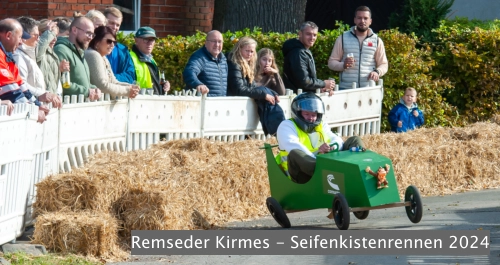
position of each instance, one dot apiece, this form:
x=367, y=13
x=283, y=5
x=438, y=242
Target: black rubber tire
x=361, y=215
x=341, y=213
x=415, y=210
x=277, y=212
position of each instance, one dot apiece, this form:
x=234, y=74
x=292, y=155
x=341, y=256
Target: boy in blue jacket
x=405, y=115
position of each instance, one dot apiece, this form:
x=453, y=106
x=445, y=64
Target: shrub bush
x=411, y=67
x=458, y=75
x=470, y=58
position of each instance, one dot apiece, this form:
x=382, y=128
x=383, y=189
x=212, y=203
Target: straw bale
x=443, y=160
x=154, y=208
x=495, y=119
x=84, y=233
x=65, y=193
x=202, y=184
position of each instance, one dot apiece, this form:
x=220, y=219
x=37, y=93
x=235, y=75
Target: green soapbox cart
x=341, y=183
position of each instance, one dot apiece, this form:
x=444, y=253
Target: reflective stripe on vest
x=282, y=157
x=9, y=88
x=142, y=72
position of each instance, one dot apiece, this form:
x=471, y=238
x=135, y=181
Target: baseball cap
x=145, y=32
x=26, y=35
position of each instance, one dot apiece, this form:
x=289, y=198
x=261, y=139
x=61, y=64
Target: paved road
x=463, y=211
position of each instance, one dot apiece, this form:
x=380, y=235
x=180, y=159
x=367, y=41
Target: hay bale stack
x=443, y=160
x=152, y=209
x=83, y=233
x=66, y=192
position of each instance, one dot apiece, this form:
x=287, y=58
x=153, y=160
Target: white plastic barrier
x=354, y=111
x=30, y=151
x=16, y=158
x=87, y=128
x=174, y=117
x=43, y=144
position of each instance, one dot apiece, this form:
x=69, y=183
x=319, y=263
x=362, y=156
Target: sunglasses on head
x=109, y=41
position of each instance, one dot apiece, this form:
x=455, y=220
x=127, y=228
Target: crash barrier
x=30, y=151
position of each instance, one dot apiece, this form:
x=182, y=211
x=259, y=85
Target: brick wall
x=50, y=9
x=176, y=17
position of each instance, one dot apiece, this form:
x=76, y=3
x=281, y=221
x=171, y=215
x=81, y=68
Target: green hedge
x=470, y=58
x=456, y=80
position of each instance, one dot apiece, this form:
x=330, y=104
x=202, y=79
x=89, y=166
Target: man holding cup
x=359, y=54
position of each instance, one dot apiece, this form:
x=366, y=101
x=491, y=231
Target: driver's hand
x=324, y=148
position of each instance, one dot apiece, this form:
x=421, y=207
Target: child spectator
x=405, y=115
x=267, y=73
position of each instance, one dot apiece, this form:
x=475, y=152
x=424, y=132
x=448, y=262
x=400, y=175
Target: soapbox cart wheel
x=361, y=215
x=277, y=212
x=341, y=212
x=414, y=210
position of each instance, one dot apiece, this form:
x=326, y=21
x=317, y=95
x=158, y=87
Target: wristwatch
x=376, y=71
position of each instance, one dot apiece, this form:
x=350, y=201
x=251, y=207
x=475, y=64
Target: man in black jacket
x=299, y=68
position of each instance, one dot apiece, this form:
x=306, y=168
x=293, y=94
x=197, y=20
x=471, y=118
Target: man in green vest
x=146, y=69
x=305, y=135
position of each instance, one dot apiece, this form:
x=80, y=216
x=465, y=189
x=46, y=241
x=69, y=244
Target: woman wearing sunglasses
x=101, y=74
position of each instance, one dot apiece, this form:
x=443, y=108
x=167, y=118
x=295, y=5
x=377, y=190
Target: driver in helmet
x=305, y=135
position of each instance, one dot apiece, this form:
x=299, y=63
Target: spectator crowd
x=41, y=61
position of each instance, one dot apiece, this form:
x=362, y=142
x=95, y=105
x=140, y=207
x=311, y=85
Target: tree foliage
x=420, y=16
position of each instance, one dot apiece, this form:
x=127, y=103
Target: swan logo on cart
x=334, y=183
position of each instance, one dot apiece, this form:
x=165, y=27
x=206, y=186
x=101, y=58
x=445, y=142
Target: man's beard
x=82, y=45
x=361, y=29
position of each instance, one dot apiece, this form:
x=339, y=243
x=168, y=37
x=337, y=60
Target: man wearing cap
x=146, y=69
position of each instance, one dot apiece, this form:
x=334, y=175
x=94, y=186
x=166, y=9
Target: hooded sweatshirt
x=299, y=68
x=79, y=73
x=403, y=113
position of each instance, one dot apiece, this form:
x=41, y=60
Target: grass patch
x=49, y=259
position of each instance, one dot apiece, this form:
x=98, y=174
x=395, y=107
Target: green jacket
x=48, y=62
x=79, y=73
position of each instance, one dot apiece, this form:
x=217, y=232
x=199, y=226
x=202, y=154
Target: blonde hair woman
x=241, y=63
x=267, y=73
x=97, y=18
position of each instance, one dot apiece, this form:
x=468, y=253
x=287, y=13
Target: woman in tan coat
x=101, y=74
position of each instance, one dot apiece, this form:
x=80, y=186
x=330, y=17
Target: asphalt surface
x=479, y=210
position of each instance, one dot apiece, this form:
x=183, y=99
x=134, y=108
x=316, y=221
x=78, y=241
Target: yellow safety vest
x=304, y=139
x=142, y=72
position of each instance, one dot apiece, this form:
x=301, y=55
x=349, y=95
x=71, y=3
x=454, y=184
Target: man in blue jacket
x=119, y=58
x=206, y=70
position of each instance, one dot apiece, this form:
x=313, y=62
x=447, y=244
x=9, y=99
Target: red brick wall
x=50, y=9
x=176, y=17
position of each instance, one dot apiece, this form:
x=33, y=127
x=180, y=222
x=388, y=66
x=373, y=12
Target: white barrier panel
x=90, y=127
x=15, y=168
x=234, y=118
x=44, y=147
x=172, y=117
x=354, y=111
x=30, y=151
x=229, y=118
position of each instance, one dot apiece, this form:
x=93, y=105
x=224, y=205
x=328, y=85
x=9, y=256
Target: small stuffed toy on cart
x=380, y=175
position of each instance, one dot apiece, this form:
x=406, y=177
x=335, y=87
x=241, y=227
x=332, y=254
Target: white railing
x=30, y=151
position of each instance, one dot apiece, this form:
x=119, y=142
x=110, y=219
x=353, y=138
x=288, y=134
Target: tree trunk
x=270, y=15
